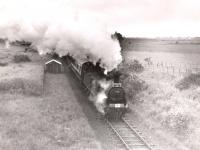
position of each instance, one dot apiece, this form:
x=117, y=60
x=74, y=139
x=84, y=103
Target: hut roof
x=53, y=60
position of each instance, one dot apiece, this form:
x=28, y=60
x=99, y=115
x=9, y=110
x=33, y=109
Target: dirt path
x=69, y=126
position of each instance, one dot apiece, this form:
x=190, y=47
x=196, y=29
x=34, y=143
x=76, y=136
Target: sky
x=132, y=18
x=146, y=18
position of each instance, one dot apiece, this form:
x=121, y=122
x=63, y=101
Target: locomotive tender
x=89, y=75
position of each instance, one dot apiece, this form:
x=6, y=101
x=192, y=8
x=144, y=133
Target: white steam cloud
x=56, y=26
x=98, y=95
x=7, y=44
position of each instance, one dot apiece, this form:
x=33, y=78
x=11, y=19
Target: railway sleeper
x=125, y=128
x=126, y=133
x=137, y=144
x=128, y=136
x=133, y=141
x=129, y=140
x=138, y=148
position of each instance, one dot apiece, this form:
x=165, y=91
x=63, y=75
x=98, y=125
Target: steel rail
x=135, y=133
x=118, y=135
x=138, y=135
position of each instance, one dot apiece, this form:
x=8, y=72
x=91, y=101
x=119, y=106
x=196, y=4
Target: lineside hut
x=54, y=66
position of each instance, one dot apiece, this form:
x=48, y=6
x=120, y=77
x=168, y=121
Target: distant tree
x=119, y=37
x=55, y=55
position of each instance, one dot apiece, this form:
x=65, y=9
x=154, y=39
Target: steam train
x=90, y=75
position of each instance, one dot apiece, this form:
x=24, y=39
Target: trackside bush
x=134, y=66
x=133, y=85
x=20, y=85
x=21, y=58
x=131, y=82
x=3, y=64
x=188, y=81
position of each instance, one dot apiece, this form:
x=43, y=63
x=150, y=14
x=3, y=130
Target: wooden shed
x=54, y=66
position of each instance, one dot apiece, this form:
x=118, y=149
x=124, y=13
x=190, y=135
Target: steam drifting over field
x=55, y=26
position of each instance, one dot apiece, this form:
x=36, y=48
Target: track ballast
x=129, y=135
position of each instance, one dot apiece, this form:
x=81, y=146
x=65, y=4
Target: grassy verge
x=69, y=125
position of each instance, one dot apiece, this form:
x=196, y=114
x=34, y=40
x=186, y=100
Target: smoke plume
x=55, y=26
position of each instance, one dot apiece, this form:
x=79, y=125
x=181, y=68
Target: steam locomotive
x=90, y=76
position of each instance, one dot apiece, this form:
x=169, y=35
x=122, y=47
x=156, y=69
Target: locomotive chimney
x=116, y=76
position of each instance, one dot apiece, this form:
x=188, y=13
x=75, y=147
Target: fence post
x=153, y=68
x=43, y=80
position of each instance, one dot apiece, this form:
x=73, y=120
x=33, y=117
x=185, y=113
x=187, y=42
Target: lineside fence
x=171, y=69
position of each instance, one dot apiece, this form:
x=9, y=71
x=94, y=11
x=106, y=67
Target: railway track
x=129, y=135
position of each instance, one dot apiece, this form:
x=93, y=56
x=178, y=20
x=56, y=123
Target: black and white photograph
x=99, y=75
